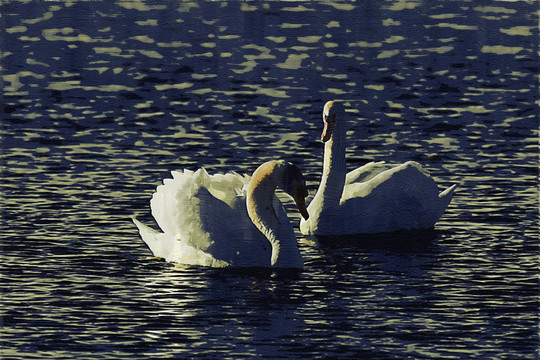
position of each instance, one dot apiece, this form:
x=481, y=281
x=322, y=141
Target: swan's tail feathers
x=446, y=197
x=448, y=192
x=150, y=237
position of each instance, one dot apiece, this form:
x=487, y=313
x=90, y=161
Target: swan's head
x=330, y=112
x=289, y=178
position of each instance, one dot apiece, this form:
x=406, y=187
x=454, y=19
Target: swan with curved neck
x=374, y=198
x=227, y=220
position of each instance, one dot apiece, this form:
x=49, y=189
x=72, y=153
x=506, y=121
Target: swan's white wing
x=174, y=204
x=226, y=187
x=403, y=197
x=233, y=237
x=408, y=177
x=204, y=221
x=366, y=172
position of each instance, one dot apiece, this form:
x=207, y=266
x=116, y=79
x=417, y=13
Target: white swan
x=374, y=198
x=227, y=220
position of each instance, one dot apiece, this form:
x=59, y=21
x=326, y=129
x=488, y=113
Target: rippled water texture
x=102, y=99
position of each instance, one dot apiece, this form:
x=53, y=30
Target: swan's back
x=400, y=198
x=366, y=172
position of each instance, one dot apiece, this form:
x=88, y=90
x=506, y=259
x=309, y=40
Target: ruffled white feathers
x=204, y=221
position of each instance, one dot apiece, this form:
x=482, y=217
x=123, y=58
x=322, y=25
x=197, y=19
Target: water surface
x=102, y=100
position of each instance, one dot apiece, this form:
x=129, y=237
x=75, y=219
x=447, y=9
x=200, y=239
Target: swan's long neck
x=259, y=201
x=334, y=170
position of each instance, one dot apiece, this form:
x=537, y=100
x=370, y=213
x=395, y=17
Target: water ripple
x=103, y=100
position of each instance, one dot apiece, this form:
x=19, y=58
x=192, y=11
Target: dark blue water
x=101, y=100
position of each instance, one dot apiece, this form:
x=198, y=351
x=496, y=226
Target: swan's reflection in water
x=400, y=241
x=250, y=305
x=255, y=305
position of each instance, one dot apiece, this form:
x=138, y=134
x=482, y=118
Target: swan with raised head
x=227, y=220
x=374, y=198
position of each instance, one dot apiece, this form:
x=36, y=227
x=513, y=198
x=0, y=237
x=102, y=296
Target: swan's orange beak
x=299, y=195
